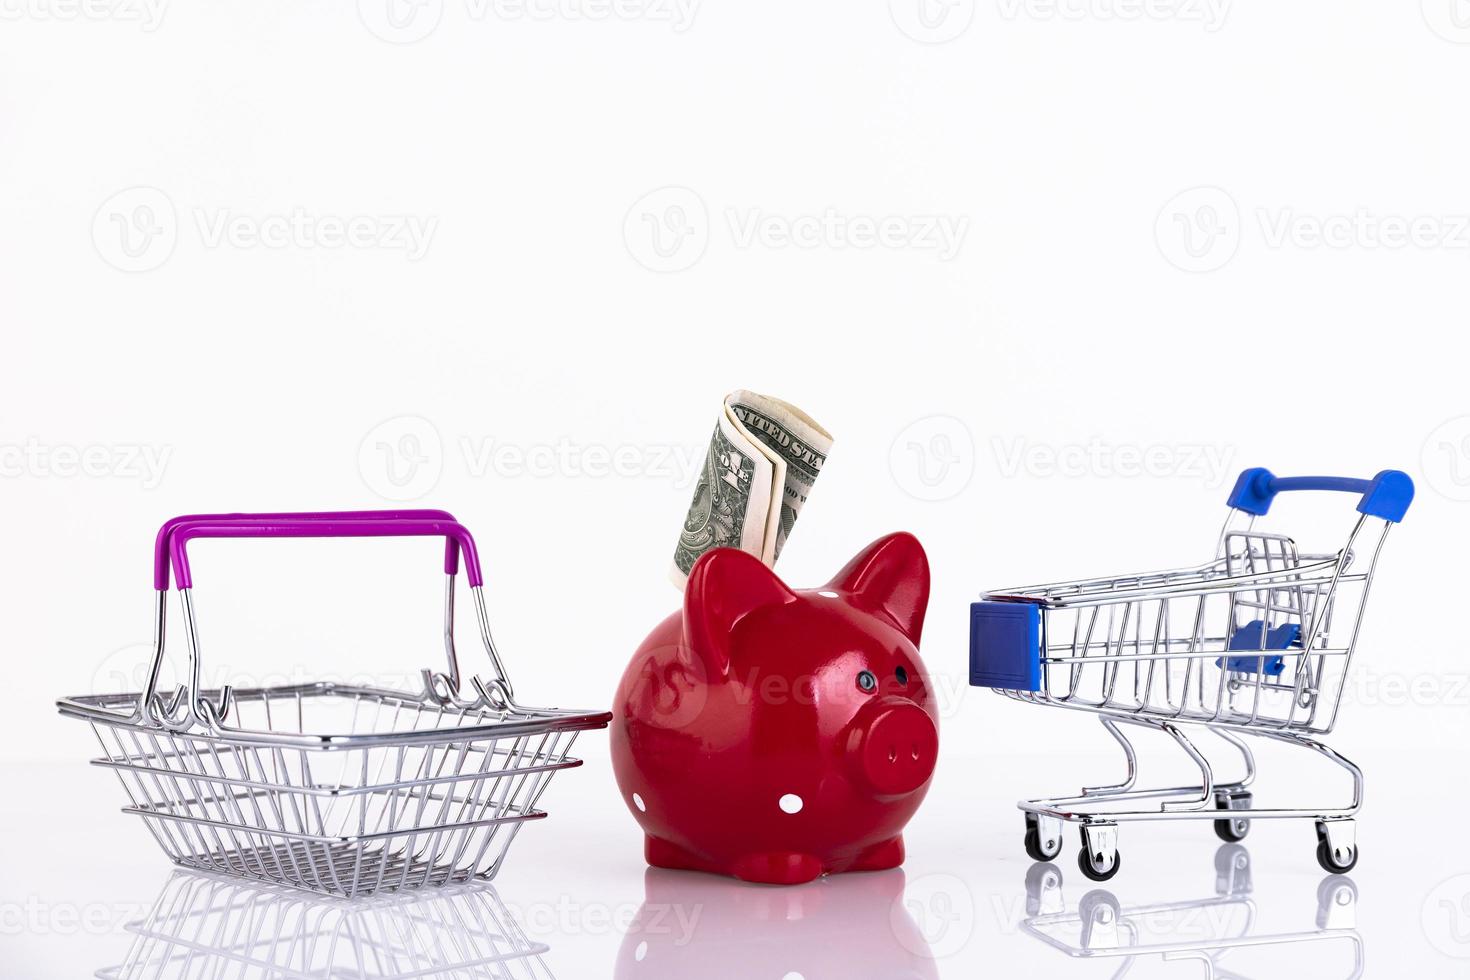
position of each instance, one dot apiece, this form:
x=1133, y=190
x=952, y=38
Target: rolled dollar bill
x=764, y=456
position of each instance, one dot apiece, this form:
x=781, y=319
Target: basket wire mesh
x=340, y=789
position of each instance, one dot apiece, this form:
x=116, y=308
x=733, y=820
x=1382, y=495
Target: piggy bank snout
x=896, y=745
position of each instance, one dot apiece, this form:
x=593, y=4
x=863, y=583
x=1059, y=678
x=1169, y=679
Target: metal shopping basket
x=203, y=926
x=1255, y=642
x=336, y=788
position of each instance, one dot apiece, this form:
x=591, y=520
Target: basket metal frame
x=340, y=789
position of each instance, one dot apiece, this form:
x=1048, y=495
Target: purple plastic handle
x=161, y=540
x=322, y=528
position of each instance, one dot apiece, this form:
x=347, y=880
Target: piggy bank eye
x=867, y=682
x=902, y=676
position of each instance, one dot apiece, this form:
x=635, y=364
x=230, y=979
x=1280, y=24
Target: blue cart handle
x=1386, y=496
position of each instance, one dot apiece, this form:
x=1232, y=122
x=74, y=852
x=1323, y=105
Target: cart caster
x=1234, y=830
x=1099, y=858
x=1043, y=838
x=1337, y=847
x=1336, y=861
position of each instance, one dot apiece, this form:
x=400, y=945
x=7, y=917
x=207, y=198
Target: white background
x=1208, y=235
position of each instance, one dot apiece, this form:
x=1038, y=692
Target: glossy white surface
x=968, y=900
x=1138, y=247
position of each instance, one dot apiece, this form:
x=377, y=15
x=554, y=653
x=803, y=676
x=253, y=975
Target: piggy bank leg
x=780, y=868
x=777, y=868
x=662, y=854
x=880, y=857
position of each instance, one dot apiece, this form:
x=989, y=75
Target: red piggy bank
x=776, y=734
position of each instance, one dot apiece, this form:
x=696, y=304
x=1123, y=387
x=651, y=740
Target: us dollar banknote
x=763, y=458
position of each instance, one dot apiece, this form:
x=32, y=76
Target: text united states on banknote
x=763, y=458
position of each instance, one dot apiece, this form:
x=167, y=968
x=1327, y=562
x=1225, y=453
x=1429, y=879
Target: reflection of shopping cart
x=336, y=788
x=202, y=926
x=1255, y=642
x=1205, y=932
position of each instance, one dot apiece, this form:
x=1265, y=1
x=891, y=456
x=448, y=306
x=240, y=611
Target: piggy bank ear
x=890, y=577
x=725, y=585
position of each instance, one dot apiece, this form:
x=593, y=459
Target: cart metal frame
x=1255, y=643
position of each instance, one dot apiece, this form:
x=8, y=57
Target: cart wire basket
x=204, y=926
x=1256, y=642
x=341, y=789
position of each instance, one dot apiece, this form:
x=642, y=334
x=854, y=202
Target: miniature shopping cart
x=204, y=926
x=1256, y=642
x=335, y=788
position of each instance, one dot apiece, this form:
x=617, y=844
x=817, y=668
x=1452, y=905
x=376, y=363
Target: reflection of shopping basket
x=335, y=788
x=1255, y=642
x=203, y=926
x=1205, y=932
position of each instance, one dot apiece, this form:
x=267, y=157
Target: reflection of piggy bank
x=851, y=928
x=776, y=735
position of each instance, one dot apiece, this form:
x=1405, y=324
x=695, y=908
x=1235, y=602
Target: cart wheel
x=1096, y=871
x=1337, y=846
x=1234, y=830
x=1039, y=848
x=1336, y=862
